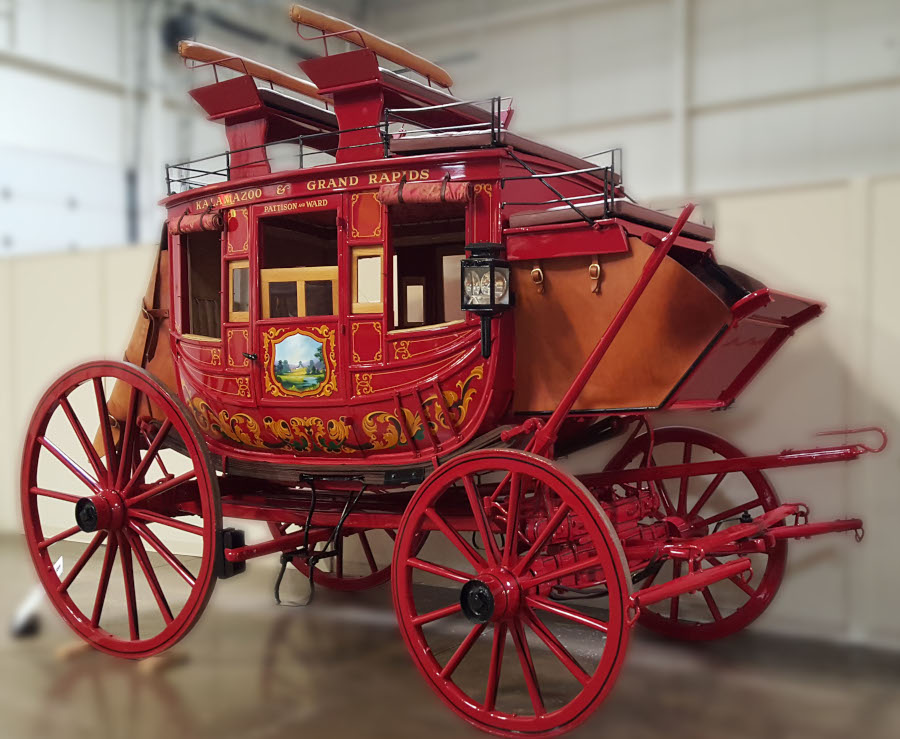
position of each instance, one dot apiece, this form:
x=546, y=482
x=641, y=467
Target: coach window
x=203, y=257
x=298, y=270
x=428, y=243
x=239, y=289
x=366, y=279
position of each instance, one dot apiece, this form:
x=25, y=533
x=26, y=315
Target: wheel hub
x=493, y=597
x=477, y=602
x=86, y=515
x=100, y=512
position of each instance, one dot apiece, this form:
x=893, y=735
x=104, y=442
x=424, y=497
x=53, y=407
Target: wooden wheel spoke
x=528, y=671
x=493, y=680
x=82, y=561
x=86, y=445
x=555, y=646
x=437, y=615
x=448, y=573
x=543, y=604
x=59, y=537
x=575, y=567
x=460, y=654
x=711, y=604
x=707, y=494
x=147, y=459
x=43, y=492
x=70, y=464
x=481, y=522
x=163, y=551
x=499, y=489
x=685, y=480
x=663, y=492
x=512, y=520
x=130, y=595
x=146, y=566
x=542, y=538
x=109, y=446
x=166, y=521
x=461, y=544
x=367, y=551
x=128, y=438
x=100, y=598
x=160, y=488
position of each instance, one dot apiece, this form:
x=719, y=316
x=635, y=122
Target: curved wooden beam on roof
x=385, y=49
x=211, y=55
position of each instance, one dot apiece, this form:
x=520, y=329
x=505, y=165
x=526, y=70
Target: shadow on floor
x=253, y=670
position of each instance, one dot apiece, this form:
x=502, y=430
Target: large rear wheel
x=121, y=528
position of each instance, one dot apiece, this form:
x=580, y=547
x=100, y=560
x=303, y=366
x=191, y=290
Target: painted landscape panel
x=299, y=363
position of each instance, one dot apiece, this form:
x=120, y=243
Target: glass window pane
x=368, y=279
x=282, y=300
x=319, y=298
x=415, y=304
x=240, y=290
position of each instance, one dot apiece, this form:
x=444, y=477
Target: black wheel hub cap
x=477, y=602
x=86, y=515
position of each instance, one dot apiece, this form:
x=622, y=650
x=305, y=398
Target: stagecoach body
x=383, y=311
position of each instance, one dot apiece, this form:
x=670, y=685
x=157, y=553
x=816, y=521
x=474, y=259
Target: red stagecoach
x=376, y=324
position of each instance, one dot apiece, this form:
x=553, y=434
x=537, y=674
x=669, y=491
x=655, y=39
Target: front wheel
x=479, y=606
x=121, y=529
x=708, y=503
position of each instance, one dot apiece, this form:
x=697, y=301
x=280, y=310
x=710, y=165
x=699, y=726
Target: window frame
x=357, y=253
x=300, y=276
x=233, y=315
x=182, y=244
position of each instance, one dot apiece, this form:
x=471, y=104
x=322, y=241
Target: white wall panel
x=769, y=47
x=55, y=116
x=59, y=310
x=783, y=238
x=798, y=141
x=876, y=484
x=62, y=29
x=650, y=169
x=10, y=428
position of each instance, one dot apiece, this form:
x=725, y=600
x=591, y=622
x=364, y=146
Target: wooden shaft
x=385, y=49
x=211, y=55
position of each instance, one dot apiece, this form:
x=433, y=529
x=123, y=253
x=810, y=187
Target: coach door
x=298, y=312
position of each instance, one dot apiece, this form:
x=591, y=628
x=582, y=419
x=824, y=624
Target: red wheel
x=113, y=505
x=366, y=565
x=531, y=529
x=706, y=503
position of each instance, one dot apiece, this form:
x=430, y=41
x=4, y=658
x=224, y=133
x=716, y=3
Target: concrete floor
x=254, y=670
